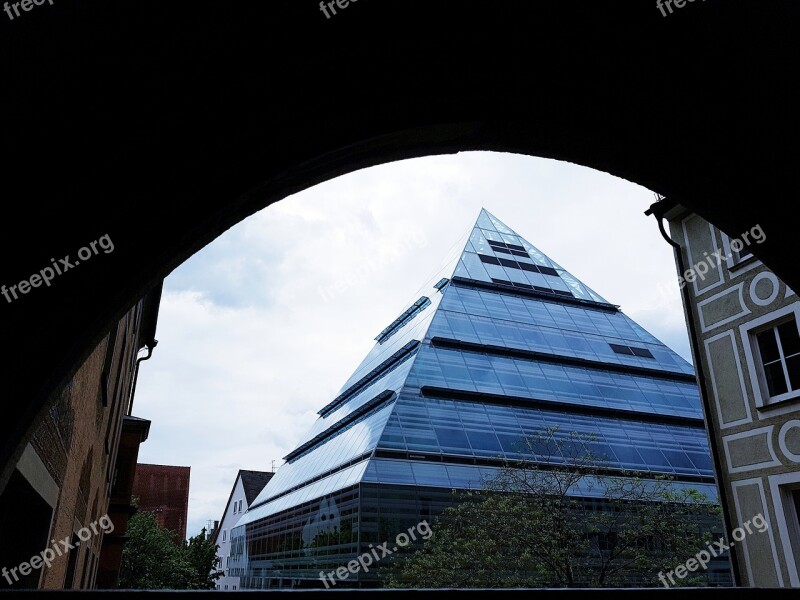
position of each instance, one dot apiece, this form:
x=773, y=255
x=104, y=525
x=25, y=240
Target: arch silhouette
x=162, y=125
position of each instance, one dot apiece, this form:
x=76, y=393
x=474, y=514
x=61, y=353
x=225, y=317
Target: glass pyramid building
x=508, y=344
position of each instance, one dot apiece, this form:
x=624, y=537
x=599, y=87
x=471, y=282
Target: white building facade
x=246, y=488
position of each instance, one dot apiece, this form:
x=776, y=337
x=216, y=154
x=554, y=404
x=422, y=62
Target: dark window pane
x=653, y=457
x=627, y=454
x=790, y=341
x=527, y=267
x=515, y=247
x=519, y=253
x=489, y=259
x=776, y=382
x=678, y=459
x=621, y=349
x=768, y=346
x=548, y=270
x=793, y=366
x=796, y=498
x=481, y=440
x=506, y=262
x=643, y=352
x=496, y=243
x=451, y=437
x=511, y=443
x=701, y=461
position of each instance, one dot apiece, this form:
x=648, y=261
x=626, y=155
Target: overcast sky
x=255, y=336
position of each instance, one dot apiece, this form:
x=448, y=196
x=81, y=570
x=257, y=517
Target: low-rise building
x=164, y=491
x=246, y=488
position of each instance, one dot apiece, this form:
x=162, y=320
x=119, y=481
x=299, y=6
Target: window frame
x=782, y=487
x=755, y=366
x=735, y=262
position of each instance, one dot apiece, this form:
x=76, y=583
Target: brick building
x=164, y=491
x=62, y=482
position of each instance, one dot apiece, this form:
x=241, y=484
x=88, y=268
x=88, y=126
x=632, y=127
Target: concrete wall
x=758, y=442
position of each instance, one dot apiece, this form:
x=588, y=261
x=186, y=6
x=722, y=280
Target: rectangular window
x=779, y=353
x=619, y=349
x=772, y=351
x=737, y=252
x=72, y=561
x=631, y=351
x=224, y=535
x=642, y=352
x=527, y=267
x=506, y=262
x=547, y=270
x=742, y=254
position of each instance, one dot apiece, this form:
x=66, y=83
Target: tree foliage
x=152, y=560
x=555, y=519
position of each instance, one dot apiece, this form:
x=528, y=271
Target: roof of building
x=253, y=482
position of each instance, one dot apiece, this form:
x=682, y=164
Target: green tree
x=541, y=522
x=151, y=560
x=200, y=552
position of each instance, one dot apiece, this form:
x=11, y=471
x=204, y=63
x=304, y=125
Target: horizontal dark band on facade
x=532, y=355
x=314, y=479
x=390, y=363
x=517, y=291
x=555, y=405
x=501, y=462
x=404, y=318
x=376, y=403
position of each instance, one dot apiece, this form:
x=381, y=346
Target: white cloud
x=250, y=349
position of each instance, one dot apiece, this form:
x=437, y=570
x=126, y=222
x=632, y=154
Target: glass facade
x=508, y=345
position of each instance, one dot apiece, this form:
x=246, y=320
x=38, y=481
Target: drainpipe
x=150, y=347
x=658, y=210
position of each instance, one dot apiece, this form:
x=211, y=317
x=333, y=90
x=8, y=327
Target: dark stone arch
x=162, y=125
